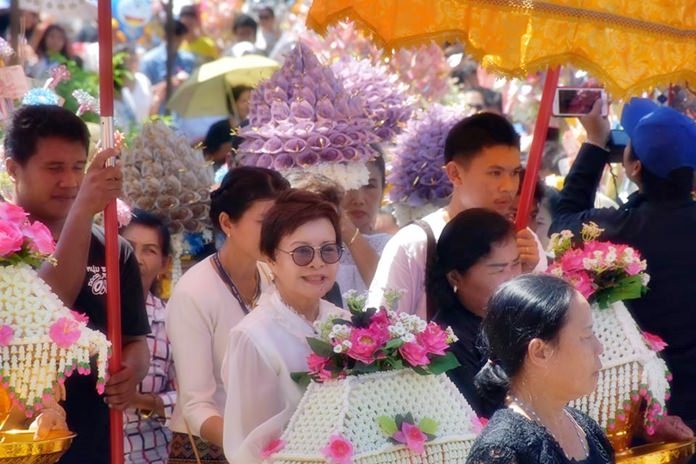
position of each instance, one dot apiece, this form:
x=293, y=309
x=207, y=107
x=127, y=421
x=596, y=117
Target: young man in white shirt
x=482, y=160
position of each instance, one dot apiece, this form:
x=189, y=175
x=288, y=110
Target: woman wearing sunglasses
x=301, y=241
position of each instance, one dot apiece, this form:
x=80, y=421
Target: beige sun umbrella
x=205, y=92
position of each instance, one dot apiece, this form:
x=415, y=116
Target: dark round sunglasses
x=304, y=255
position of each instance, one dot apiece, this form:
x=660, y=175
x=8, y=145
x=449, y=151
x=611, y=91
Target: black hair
x=41, y=46
x=380, y=163
x=492, y=99
x=146, y=219
x=678, y=185
x=465, y=240
x=522, y=309
x=240, y=188
x=219, y=133
x=266, y=9
x=30, y=123
x=539, y=190
x=471, y=135
x=180, y=29
x=244, y=20
x=190, y=11
x=234, y=94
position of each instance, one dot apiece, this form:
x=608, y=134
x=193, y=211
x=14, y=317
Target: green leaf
x=394, y=343
x=321, y=347
x=409, y=418
x=428, y=426
x=388, y=425
x=441, y=364
x=399, y=421
x=362, y=368
x=301, y=378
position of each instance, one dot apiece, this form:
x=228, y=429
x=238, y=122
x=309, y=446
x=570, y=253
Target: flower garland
x=41, y=341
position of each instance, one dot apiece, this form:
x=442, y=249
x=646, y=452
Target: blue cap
x=662, y=139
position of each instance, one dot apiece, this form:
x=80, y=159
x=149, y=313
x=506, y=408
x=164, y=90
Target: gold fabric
x=629, y=44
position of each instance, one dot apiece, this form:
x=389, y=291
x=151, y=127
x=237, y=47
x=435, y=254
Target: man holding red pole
x=46, y=149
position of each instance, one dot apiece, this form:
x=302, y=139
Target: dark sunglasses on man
x=304, y=255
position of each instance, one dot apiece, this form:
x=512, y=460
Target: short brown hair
x=292, y=209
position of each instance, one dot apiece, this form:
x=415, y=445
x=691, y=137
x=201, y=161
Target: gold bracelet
x=355, y=235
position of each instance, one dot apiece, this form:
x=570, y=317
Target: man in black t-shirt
x=46, y=150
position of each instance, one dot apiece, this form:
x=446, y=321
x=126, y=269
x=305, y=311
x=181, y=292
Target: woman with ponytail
x=542, y=354
x=475, y=254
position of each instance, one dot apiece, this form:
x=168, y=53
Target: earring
x=454, y=287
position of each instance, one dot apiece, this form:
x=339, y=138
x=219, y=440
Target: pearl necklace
x=582, y=436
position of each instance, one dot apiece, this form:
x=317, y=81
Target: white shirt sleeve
x=191, y=336
x=254, y=397
x=398, y=270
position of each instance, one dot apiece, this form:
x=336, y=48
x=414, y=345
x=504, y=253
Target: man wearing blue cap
x=660, y=221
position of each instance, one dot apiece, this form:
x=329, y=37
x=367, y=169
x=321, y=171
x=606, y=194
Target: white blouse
x=200, y=314
x=264, y=349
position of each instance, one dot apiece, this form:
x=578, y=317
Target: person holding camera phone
x=660, y=221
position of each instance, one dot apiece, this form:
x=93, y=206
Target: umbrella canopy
x=630, y=45
x=204, y=93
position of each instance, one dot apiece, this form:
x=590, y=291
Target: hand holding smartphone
x=578, y=101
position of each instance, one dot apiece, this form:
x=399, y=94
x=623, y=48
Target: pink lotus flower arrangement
x=377, y=340
x=403, y=429
x=603, y=272
x=22, y=241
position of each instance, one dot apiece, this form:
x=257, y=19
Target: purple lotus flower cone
x=303, y=111
x=417, y=173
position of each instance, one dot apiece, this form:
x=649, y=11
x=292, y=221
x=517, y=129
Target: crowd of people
x=206, y=370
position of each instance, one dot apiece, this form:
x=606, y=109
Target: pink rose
x=412, y=437
x=339, y=450
x=272, y=448
x=414, y=354
x=656, y=343
x=364, y=343
x=64, y=332
x=41, y=238
x=11, y=238
x=433, y=339
x=12, y=213
x=6, y=335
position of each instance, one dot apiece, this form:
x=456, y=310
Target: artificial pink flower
x=316, y=363
x=573, y=260
x=582, y=283
x=339, y=450
x=433, y=339
x=64, y=332
x=380, y=318
x=11, y=238
x=12, y=213
x=123, y=213
x=272, y=448
x=635, y=268
x=79, y=317
x=479, y=423
x=364, y=343
x=412, y=437
x=41, y=238
x=6, y=335
x=414, y=354
x=654, y=341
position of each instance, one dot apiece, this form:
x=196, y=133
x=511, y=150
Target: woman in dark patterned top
x=146, y=430
x=542, y=354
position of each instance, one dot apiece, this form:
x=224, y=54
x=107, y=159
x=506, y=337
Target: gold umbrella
x=205, y=92
x=629, y=45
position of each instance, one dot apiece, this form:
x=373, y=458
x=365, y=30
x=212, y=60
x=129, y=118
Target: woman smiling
x=301, y=240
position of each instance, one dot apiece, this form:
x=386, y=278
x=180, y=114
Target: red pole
x=113, y=286
x=537, y=149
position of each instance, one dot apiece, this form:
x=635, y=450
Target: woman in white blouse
x=210, y=299
x=301, y=240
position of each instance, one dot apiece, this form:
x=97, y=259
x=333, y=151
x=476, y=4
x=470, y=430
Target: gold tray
x=19, y=447
x=659, y=453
